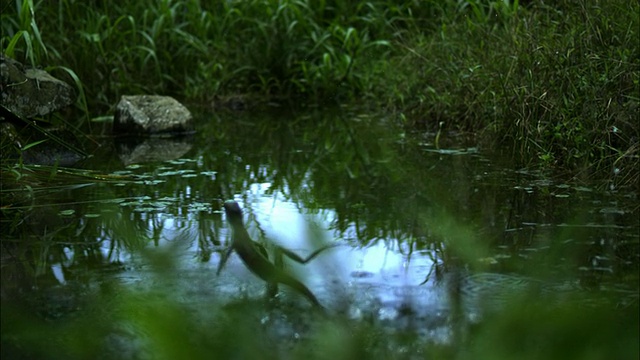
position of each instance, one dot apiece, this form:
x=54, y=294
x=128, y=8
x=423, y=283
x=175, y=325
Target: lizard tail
x=299, y=287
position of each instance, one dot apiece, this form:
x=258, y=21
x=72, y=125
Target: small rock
x=151, y=115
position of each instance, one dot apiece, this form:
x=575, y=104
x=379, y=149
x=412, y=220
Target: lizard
x=255, y=257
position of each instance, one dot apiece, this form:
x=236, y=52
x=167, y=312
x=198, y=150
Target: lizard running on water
x=254, y=255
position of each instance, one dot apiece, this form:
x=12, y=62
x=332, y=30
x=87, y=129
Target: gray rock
x=151, y=115
x=31, y=92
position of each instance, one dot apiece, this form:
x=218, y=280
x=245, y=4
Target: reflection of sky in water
x=283, y=222
x=58, y=273
x=378, y=273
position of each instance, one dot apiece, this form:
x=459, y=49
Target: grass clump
x=558, y=83
x=186, y=48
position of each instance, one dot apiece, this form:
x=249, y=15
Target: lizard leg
x=223, y=259
x=297, y=258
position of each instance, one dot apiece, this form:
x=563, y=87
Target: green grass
x=557, y=84
x=273, y=48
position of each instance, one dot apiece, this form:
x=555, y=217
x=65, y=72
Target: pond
x=443, y=249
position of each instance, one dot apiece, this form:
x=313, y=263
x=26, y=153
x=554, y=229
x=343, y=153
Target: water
x=431, y=239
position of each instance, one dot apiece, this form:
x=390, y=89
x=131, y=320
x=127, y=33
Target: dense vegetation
x=558, y=83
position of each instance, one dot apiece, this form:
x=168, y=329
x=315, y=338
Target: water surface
x=431, y=239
